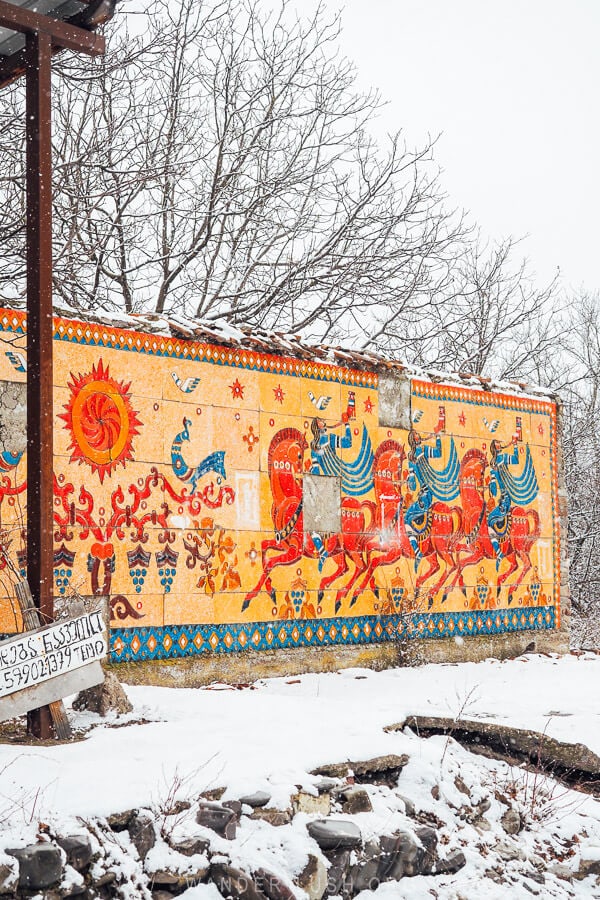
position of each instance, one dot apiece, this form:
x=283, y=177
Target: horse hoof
x=273, y=596
x=320, y=595
x=510, y=598
x=444, y=597
x=430, y=603
x=376, y=591
x=354, y=599
x=338, y=606
x=245, y=604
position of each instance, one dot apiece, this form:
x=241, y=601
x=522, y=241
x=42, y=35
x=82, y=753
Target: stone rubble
x=164, y=859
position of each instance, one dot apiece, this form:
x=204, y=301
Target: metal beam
x=62, y=34
x=40, y=550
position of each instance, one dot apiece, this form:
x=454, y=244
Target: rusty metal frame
x=44, y=36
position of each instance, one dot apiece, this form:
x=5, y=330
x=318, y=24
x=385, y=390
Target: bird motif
x=491, y=426
x=187, y=385
x=214, y=462
x=17, y=359
x=417, y=415
x=320, y=402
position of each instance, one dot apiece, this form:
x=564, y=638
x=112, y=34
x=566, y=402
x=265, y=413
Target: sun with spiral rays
x=101, y=420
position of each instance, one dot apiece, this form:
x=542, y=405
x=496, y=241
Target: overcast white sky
x=513, y=85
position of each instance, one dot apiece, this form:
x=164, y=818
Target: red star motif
x=237, y=390
x=541, y=428
x=462, y=419
x=279, y=393
x=368, y=405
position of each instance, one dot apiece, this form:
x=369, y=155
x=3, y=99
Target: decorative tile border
x=428, y=390
x=98, y=335
x=179, y=641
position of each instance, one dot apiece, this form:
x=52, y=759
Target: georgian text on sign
x=45, y=653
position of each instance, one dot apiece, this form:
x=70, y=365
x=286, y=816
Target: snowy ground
x=271, y=735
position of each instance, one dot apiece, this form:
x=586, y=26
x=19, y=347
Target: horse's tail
x=371, y=506
x=534, y=532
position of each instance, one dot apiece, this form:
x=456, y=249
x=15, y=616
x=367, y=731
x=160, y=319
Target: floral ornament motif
x=213, y=550
x=251, y=439
x=101, y=421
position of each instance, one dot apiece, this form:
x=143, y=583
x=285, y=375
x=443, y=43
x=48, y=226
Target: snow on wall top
x=224, y=334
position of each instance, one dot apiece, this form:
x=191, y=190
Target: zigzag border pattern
x=180, y=641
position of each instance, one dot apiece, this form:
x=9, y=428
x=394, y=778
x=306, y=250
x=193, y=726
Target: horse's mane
x=286, y=434
x=389, y=444
x=474, y=455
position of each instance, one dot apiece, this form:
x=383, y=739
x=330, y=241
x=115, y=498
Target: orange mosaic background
x=179, y=487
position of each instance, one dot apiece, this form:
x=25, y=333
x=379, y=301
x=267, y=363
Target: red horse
x=291, y=543
x=389, y=541
x=522, y=527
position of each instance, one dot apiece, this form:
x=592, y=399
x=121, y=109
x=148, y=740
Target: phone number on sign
x=32, y=671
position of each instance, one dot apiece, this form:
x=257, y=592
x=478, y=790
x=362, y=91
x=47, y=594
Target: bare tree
x=220, y=164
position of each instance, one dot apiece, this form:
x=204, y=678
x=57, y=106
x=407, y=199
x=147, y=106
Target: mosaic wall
x=179, y=493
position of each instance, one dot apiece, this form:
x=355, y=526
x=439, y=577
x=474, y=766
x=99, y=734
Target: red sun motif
x=101, y=420
x=279, y=393
x=368, y=405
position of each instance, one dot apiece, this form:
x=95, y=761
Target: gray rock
x=426, y=861
x=218, y=818
x=142, y=834
x=409, y=806
x=388, y=845
x=509, y=851
x=338, y=881
x=364, y=875
x=233, y=883
x=335, y=834
x=561, y=871
x=275, y=817
x=9, y=878
x=401, y=856
x=272, y=886
x=326, y=785
x=451, y=864
x=235, y=806
x=588, y=867
x=120, y=821
x=408, y=856
x=104, y=698
x=511, y=821
x=312, y=804
x=109, y=877
x=313, y=878
x=256, y=800
x=78, y=848
x=191, y=846
x=380, y=768
x=162, y=895
x=356, y=800
x=40, y=866
x=163, y=878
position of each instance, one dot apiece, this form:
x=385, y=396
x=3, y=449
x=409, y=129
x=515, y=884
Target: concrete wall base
x=243, y=668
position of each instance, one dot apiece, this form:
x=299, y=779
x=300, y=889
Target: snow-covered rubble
x=138, y=791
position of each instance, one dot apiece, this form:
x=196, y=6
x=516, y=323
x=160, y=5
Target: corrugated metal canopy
x=86, y=15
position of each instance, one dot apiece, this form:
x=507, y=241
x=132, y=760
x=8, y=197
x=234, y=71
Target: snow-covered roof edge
x=223, y=334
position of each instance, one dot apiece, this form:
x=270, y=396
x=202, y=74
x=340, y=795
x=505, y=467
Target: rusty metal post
x=40, y=550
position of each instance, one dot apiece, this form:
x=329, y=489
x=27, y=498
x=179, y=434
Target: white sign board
x=40, y=655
